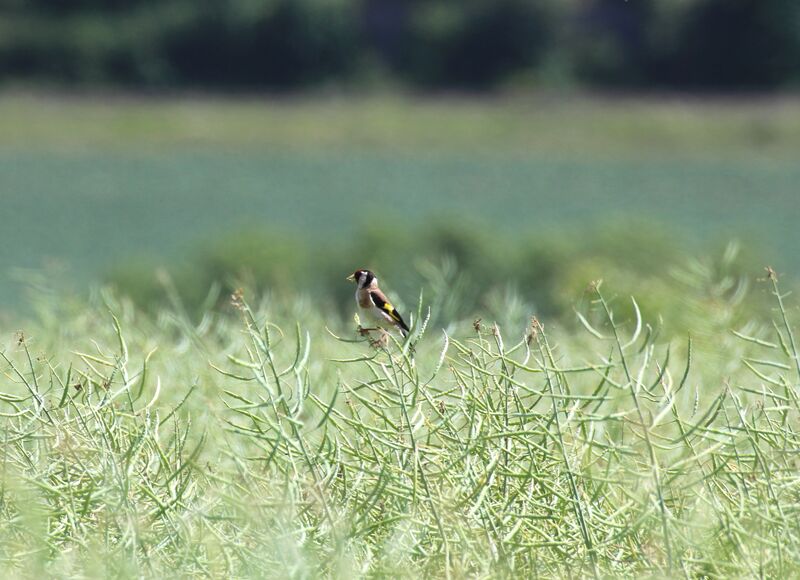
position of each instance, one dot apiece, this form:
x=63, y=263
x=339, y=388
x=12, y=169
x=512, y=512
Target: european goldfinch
x=373, y=304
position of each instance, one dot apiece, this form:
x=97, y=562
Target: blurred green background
x=176, y=149
x=452, y=44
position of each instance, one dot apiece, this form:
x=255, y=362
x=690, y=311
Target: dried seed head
x=237, y=299
x=772, y=275
x=594, y=285
x=533, y=330
x=477, y=325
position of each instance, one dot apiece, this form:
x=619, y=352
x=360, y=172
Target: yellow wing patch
x=380, y=301
x=388, y=308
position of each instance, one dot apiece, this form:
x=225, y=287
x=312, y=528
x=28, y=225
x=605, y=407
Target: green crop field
x=274, y=442
x=597, y=383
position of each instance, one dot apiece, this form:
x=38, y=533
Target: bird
x=374, y=304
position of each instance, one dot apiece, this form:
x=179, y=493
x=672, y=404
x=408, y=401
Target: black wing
x=378, y=300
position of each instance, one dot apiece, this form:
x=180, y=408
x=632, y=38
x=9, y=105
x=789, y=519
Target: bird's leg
x=365, y=331
x=380, y=342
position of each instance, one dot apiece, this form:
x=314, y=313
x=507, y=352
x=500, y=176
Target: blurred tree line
x=427, y=44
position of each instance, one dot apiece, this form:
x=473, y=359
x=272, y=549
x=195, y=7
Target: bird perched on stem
x=374, y=305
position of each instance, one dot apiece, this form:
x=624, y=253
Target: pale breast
x=363, y=299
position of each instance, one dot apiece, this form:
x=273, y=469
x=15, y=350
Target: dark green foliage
x=280, y=44
x=473, y=44
x=700, y=44
x=610, y=43
x=731, y=43
x=456, y=44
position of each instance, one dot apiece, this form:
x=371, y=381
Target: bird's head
x=363, y=278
